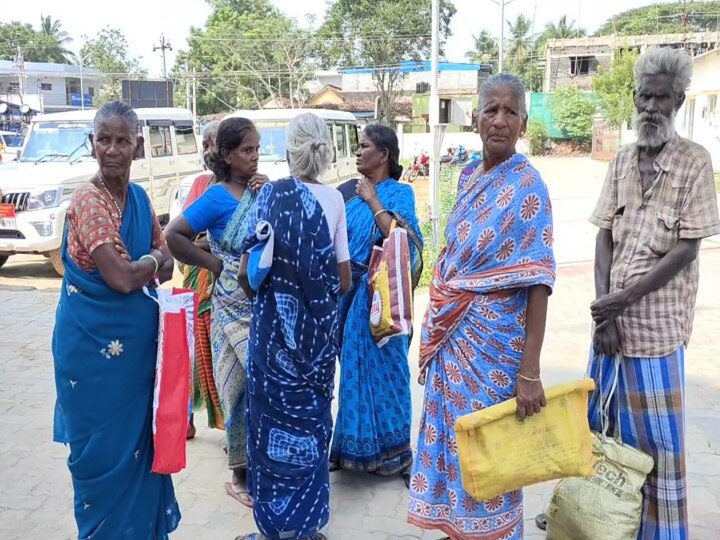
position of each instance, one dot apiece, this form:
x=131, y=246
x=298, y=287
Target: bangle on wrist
x=383, y=211
x=528, y=379
x=149, y=257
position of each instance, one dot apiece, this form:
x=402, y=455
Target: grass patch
x=717, y=182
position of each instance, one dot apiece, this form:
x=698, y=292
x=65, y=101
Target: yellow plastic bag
x=498, y=453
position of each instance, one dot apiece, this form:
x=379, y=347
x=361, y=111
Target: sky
x=143, y=21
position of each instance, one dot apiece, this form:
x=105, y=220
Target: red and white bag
x=173, y=371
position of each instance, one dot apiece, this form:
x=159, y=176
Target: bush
x=573, y=111
x=537, y=136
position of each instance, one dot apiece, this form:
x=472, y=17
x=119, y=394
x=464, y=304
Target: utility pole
x=502, y=4
x=164, y=46
x=194, y=101
x=187, y=86
x=20, y=65
x=435, y=131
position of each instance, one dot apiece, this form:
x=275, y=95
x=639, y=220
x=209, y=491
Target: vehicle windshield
x=272, y=140
x=13, y=141
x=57, y=141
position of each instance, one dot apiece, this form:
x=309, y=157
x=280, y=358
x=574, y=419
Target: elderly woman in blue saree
x=293, y=343
x=484, y=328
x=223, y=210
x=105, y=344
x=372, y=432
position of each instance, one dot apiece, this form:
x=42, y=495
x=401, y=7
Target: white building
x=48, y=87
x=699, y=119
x=451, y=77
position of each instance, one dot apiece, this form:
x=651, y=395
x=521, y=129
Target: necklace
x=117, y=206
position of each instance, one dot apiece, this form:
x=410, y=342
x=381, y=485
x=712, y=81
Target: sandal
x=243, y=497
x=541, y=522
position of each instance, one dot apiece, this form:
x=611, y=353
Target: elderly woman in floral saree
x=484, y=328
x=372, y=430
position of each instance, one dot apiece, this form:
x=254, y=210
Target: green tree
x=58, y=40
x=573, y=111
x=380, y=34
x=108, y=52
x=665, y=18
x=520, y=51
x=34, y=46
x=486, y=50
x=614, y=87
x=248, y=52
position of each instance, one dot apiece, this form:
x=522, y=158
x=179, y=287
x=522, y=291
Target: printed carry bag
x=390, y=287
x=498, y=453
x=173, y=371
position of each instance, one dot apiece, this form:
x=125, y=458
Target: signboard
x=75, y=100
x=143, y=94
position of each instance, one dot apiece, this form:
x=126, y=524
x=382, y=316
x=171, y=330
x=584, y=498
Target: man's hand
x=607, y=308
x=606, y=340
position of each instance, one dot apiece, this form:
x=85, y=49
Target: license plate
x=7, y=216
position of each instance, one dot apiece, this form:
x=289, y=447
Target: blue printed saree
x=293, y=347
x=104, y=347
x=499, y=243
x=372, y=429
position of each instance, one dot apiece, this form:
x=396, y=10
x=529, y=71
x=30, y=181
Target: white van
x=55, y=159
x=272, y=125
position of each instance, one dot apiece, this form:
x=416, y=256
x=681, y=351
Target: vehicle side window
x=354, y=139
x=341, y=140
x=160, y=141
x=186, y=141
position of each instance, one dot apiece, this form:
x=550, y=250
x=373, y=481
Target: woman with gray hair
x=105, y=343
x=293, y=342
x=485, y=323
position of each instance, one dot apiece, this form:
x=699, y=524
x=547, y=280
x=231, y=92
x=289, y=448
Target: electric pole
x=502, y=4
x=164, y=46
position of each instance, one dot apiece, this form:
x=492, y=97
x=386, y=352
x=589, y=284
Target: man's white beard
x=653, y=130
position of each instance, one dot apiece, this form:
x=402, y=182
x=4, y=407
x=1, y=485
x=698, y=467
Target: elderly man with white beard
x=657, y=204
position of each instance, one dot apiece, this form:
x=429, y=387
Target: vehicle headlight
x=50, y=198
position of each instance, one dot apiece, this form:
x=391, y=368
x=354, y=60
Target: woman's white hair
x=665, y=61
x=309, y=146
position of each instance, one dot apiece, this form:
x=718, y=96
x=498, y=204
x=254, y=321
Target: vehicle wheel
x=56, y=261
x=3, y=259
x=413, y=175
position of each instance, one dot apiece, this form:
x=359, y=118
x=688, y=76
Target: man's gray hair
x=117, y=109
x=309, y=146
x=505, y=80
x=211, y=128
x=665, y=61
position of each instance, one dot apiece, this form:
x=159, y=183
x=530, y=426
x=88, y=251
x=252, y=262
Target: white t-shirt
x=333, y=205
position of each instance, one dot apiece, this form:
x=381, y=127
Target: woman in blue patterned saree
x=372, y=431
x=485, y=324
x=105, y=344
x=293, y=343
x=223, y=211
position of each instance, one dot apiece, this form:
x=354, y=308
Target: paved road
x=36, y=497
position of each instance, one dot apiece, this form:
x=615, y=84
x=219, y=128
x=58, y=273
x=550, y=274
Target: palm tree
x=57, y=39
x=521, y=44
x=486, y=50
x=562, y=30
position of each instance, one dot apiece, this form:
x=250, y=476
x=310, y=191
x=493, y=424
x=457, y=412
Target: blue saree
x=372, y=431
x=104, y=346
x=293, y=346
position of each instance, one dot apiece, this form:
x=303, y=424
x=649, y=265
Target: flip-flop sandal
x=240, y=496
x=541, y=522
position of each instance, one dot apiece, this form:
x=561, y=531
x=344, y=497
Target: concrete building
x=699, y=119
x=46, y=87
x=575, y=61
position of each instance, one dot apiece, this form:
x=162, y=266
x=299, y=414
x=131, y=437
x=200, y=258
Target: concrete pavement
x=36, y=495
